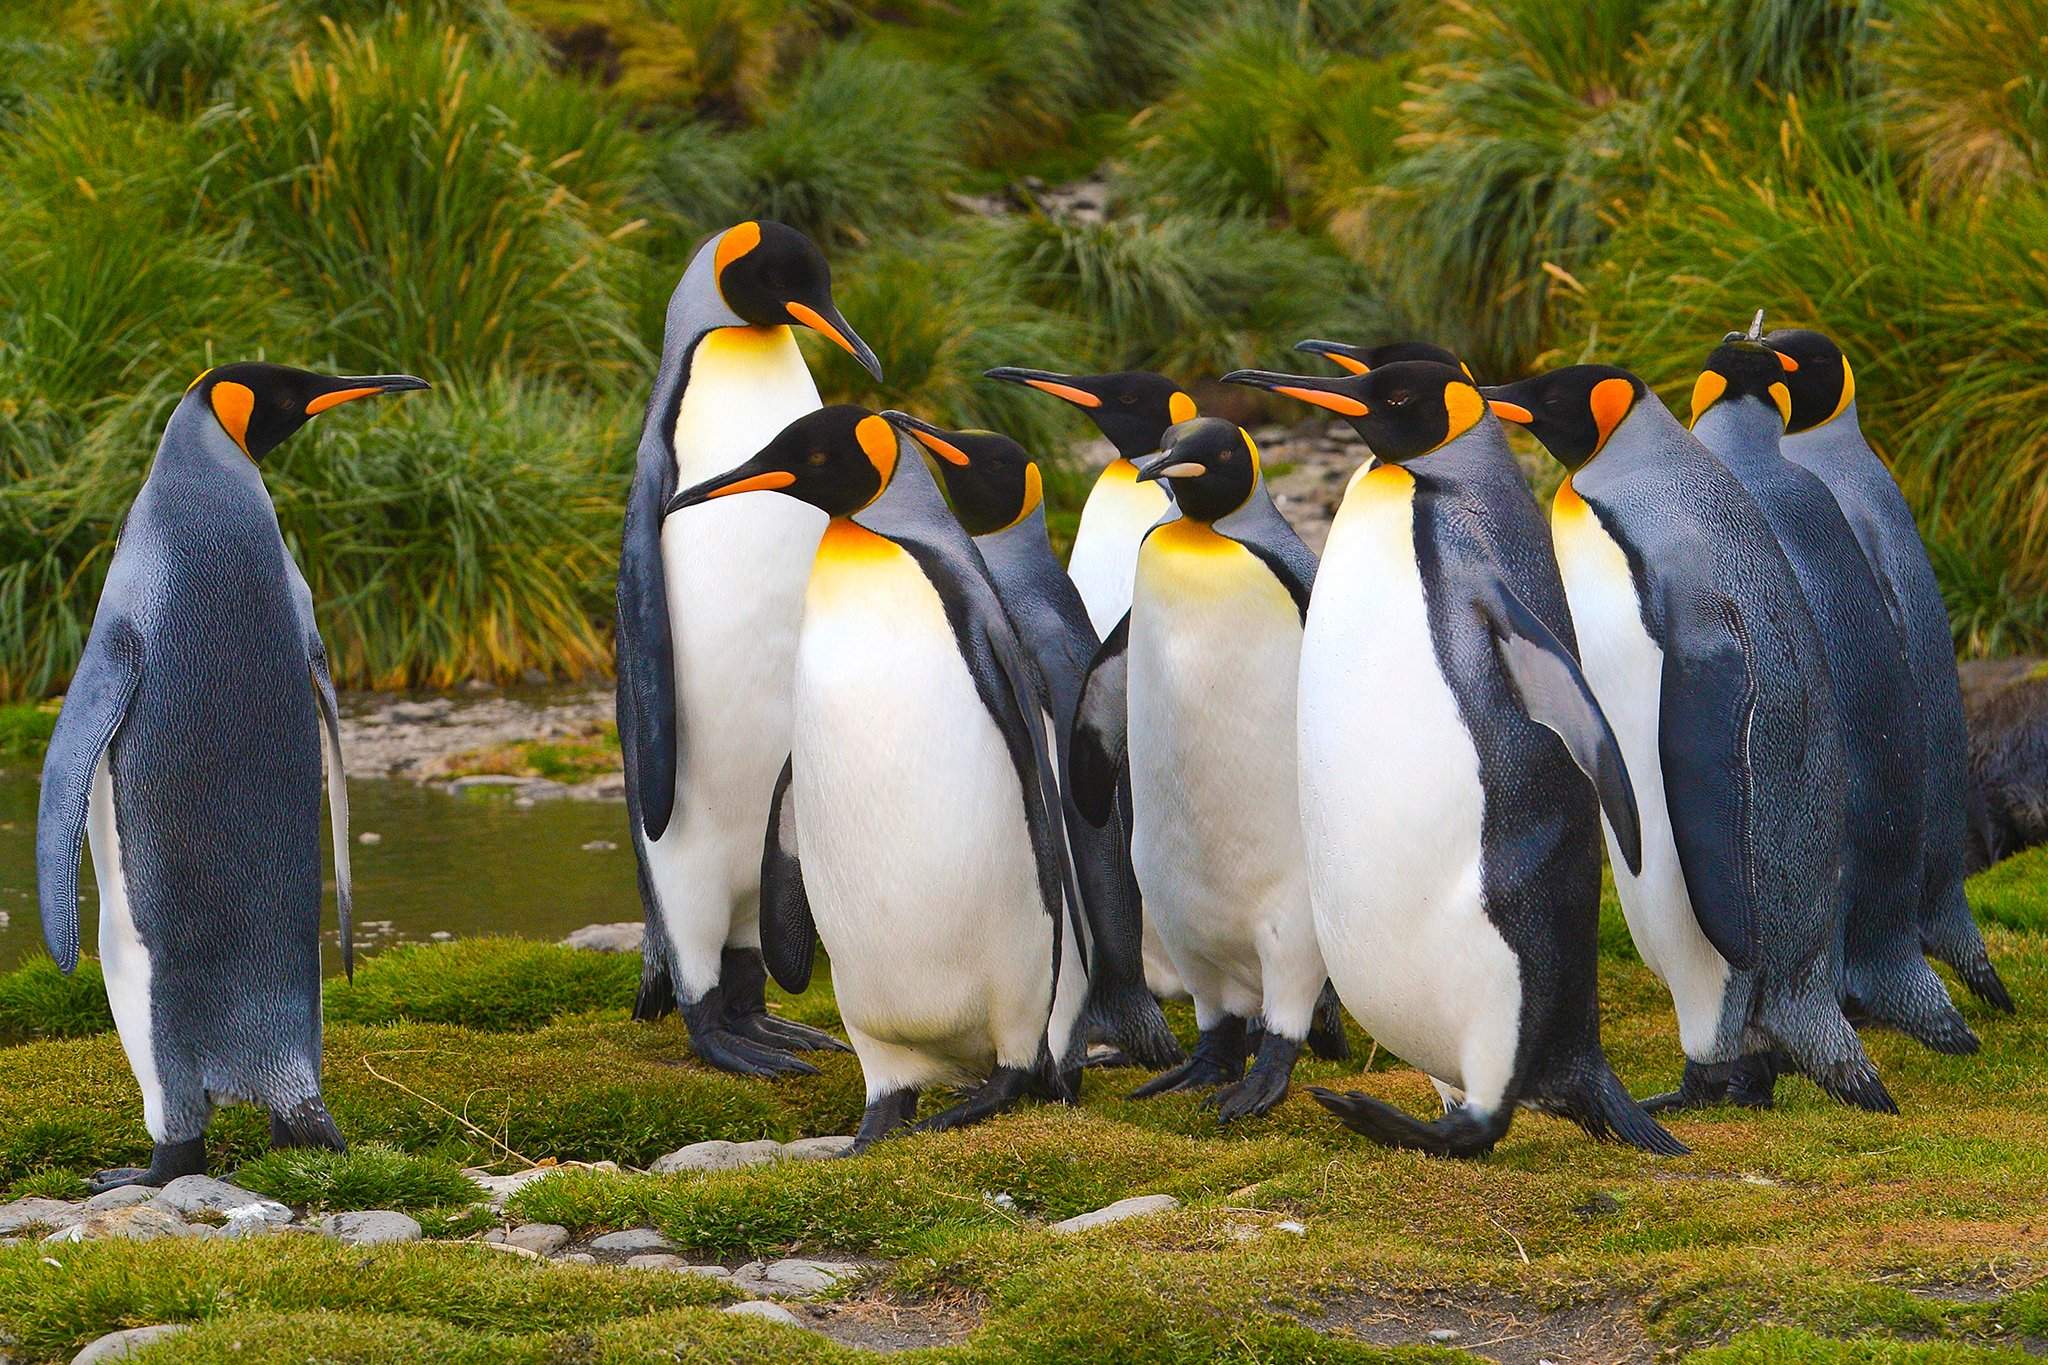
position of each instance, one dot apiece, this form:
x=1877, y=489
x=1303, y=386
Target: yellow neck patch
x=1706, y=391
x=1034, y=494
x=1848, y=392
x=1464, y=406
x=1188, y=536
x=1568, y=504
x=1782, y=396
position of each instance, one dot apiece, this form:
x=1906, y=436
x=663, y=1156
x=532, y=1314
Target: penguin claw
x=1197, y=1073
x=732, y=1052
x=1251, y=1097
x=773, y=1032
x=102, y=1181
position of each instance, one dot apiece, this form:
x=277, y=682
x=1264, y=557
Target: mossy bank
x=1811, y=1232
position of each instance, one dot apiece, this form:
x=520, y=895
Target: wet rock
x=816, y=1148
x=761, y=1308
x=631, y=1242
x=622, y=936
x=37, y=1212
x=1136, y=1207
x=136, y=1223
x=717, y=1156
x=190, y=1194
x=600, y=846
x=543, y=1239
x=121, y=1197
x=369, y=836
x=797, y=1278
x=442, y=936
x=371, y=1227
x=415, y=712
x=121, y=1345
x=1444, y=1336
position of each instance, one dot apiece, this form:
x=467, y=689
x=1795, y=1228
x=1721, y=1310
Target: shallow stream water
x=460, y=865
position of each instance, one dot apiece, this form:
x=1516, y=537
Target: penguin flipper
x=337, y=804
x=1708, y=703
x=789, y=936
x=1555, y=694
x=94, y=706
x=1099, y=746
x=646, y=648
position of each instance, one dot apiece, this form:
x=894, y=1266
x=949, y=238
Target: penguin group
x=863, y=704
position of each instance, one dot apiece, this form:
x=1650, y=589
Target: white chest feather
x=1625, y=668
x=1392, y=808
x=916, y=857
x=735, y=571
x=1214, y=648
x=1114, y=520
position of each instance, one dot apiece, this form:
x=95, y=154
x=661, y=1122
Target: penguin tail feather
x=1326, y=1037
x=308, y=1124
x=1951, y=935
x=1131, y=1019
x=1912, y=1000
x=1600, y=1104
x=1463, y=1132
x=656, y=997
x=1983, y=980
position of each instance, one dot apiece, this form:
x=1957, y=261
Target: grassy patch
x=574, y=759
x=25, y=730
x=367, y=1176
x=491, y=984
x=39, y=1001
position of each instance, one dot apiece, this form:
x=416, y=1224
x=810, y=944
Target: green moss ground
x=1808, y=1233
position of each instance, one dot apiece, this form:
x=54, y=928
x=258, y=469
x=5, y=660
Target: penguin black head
x=1133, y=408
x=1359, y=359
x=259, y=404
x=1402, y=411
x=1572, y=411
x=837, y=459
x=1211, y=465
x=772, y=276
x=1822, y=384
x=993, y=482
x=1743, y=367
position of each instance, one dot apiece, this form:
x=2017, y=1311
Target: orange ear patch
x=1078, y=397
x=1610, y=400
x=878, y=441
x=1707, y=391
x=1335, y=402
x=336, y=399
x=232, y=404
x=1180, y=408
x=736, y=242
x=1463, y=407
x=1782, y=396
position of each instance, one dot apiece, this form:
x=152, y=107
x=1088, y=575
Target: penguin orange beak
x=1323, y=391
x=930, y=437
x=751, y=477
x=348, y=388
x=1168, y=466
x=826, y=322
x=1338, y=353
x=1046, y=381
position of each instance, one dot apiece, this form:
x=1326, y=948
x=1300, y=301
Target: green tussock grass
x=25, y=730
x=498, y=985
x=39, y=1001
x=365, y=1177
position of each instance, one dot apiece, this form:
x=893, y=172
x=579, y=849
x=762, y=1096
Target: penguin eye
x=817, y=458
x=1128, y=399
x=1399, y=398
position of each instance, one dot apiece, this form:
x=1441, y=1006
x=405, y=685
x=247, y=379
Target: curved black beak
x=1342, y=354
x=936, y=439
x=755, y=476
x=1502, y=399
x=1325, y=391
x=1046, y=381
x=346, y=388
x=824, y=319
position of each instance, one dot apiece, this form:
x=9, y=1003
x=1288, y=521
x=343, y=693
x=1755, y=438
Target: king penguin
x=1824, y=436
x=1740, y=406
x=1193, y=695
x=1453, y=766
x=708, y=605
x=190, y=750
x=998, y=494
x=1133, y=408
x=915, y=828
x=1697, y=641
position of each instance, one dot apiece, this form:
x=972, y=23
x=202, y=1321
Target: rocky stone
x=576, y=1258
x=544, y=1239
x=498, y=1188
x=796, y=1278
x=718, y=1156
x=1444, y=1336
x=600, y=846
x=370, y=1227
x=816, y=1148
x=621, y=937
x=414, y=712
x=655, y=1260
x=369, y=836
x=1136, y=1207
x=121, y=1196
x=631, y=1242
x=511, y=1250
x=121, y=1345
x=190, y=1194
x=761, y=1308
x=37, y=1212
x=135, y=1223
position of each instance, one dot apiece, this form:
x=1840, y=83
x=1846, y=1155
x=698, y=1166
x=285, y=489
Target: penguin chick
x=998, y=493
x=189, y=751
x=1194, y=694
x=1453, y=766
x=708, y=605
x=915, y=827
x=1823, y=435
